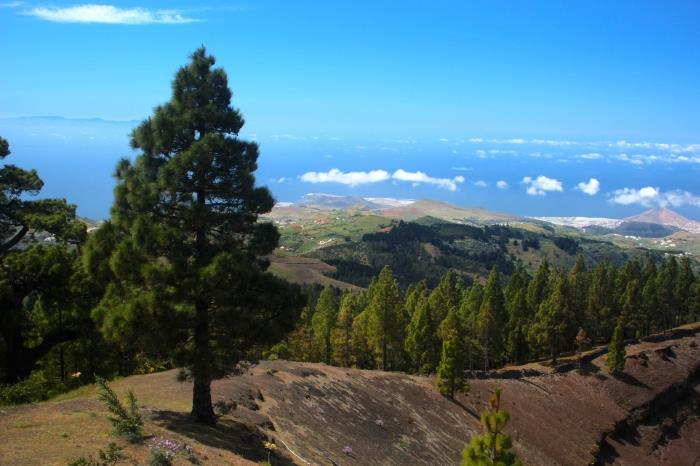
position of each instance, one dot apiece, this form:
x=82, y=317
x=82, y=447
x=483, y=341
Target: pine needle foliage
x=450, y=371
x=493, y=448
x=126, y=420
x=616, y=352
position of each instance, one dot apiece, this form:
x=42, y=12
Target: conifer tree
x=682, y=290
x=341, y=339
x=470, y=306
x=517, y=348
x=362, y=350
x=649, y=311
x=421, y=338
x=414, y=293
x=323, y=322
x=694, y=301
x=553, y=319
x=599, y=312
x=19, y=214
x=301, y=339
x=632, y=307
x=34, y=277
x=578, y=283
x=40, y=306
x=494, y=447
x=386, y=321
x=187, y=268
x=538, y=287
x=665, y=287
x=616, y=351
x=445, y=296
x=450, y=371
x=468, y=313
x=583, y=343
x=492, y=320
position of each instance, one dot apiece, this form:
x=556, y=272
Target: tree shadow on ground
x=467, y=410
x=236, y=437
x=587, y=368
x=629, y=379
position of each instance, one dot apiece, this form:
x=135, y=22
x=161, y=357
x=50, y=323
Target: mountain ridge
x=668, y=217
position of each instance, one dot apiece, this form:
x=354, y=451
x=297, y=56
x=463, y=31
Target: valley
x=354, y=237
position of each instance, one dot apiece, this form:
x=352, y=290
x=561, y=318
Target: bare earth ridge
x=314, y=412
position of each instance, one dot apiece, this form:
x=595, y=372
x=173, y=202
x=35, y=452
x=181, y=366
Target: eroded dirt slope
x=647, y=416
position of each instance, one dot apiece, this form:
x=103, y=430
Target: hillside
x=340, y=234
x=445, y=211
x=312, y=412
x=427, y=247
x=666, y=217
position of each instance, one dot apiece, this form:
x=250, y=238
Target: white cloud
x=500, y=184
x=419, y=177
x=350, y=178
x=591, y=187
x=650, y=196
x=462, y=169
x=540, y=185
x=375, y=176
x=591, y=156
x=662, y=146
x=481, y=184
x=109, y=14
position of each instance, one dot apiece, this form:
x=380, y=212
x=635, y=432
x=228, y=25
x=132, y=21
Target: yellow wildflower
x=270, y=446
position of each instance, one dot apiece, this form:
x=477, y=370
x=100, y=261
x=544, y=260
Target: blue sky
x=398, y=99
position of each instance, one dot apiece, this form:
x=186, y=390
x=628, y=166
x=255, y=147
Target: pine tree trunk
x=384, y=353
x=202, y=410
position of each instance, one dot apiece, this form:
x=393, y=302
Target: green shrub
x=146, y=365
x=35, y=388
x=127, y=422
x=159, y=458
x=105, y=458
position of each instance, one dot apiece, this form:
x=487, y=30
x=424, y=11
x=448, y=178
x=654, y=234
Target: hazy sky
x=539, y=95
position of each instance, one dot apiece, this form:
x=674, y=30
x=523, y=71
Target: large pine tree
x=385, y=319
x=185, y=261
x=421, y=338
x=34, y=276
x=615, y=360
x=323, y=322
x=492, y=320
x=341, y=336
x=450, y=372
x=19, y=214
x=553, y=319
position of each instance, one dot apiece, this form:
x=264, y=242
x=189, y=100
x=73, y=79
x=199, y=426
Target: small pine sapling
x=583, y=344
x=493, y=448
x=127, y=422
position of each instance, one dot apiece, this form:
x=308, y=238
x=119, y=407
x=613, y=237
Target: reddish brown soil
x=397, y=419
x=646, y=416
